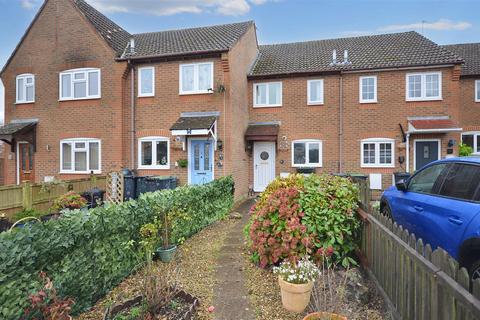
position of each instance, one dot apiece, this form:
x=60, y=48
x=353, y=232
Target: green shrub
x=70, y=200
x=329, y=204
x=28, y=213
x=299, y=216
x=464, y=150
x=87, y=253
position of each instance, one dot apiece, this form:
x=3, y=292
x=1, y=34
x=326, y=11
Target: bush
x=299, y=216
x=70, y=200
x=87, y=253
x=464, y=150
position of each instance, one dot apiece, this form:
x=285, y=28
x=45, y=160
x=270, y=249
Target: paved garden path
x=231, y=299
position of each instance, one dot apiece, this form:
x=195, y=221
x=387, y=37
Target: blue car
x=440, y=203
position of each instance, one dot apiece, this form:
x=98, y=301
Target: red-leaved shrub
x=276, y=232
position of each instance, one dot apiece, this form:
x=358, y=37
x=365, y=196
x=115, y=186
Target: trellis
x=115, y=187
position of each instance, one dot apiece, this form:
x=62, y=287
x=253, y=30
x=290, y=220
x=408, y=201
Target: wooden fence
x=14, y=198
x=418, y=283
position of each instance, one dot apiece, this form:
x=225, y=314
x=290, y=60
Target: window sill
x=423, y=99
x=26, y=102
x=307, y=165
x=81, y=172
x=146, y=96
x=268, y=106
x=79, y=99
x=188, y=93
x=315, y=103
x=368, y=101
x=154, y=167
x=391, y=166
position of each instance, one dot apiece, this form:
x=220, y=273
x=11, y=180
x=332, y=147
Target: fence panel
x=418, y=283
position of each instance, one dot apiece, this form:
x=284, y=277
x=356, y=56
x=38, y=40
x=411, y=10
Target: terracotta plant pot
x=295, y=297
x=324, y=316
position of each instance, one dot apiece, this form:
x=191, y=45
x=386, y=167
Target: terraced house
x=85, y=96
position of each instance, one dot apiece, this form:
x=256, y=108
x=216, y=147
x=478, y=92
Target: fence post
x=27, y=195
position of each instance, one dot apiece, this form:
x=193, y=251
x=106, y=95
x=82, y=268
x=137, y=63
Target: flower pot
x=295, y=297
x=166, y=254
x=324, y=316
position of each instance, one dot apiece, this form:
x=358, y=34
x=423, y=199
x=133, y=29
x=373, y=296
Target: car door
x=409, y=206
x=445, y=220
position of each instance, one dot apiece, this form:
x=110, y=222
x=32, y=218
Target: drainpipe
x=132, y=106
x=340, y=133
x=407, y=150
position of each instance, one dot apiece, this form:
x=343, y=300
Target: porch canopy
x=443, y=125
x=259, y=131
x=15, y=131
x=195, y=124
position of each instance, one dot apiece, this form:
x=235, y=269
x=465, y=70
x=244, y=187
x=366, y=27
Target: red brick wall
x=62, y=39
x=469, y=109
x=376, y=120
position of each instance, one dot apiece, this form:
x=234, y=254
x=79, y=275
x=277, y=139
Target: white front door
x=263, y=165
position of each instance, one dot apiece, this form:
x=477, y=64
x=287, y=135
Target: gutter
x=170, y=56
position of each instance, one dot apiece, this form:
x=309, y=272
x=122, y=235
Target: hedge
x=87, y=253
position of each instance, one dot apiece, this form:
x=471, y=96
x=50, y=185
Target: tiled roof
x=192, y=123
x=367, y=52
x=261, y=132
x=470, y=52
x=188, y=41
x=433, y=124
x=115, y=36
x=14, y=127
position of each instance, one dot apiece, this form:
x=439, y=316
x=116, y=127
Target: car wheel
x=386, y=210
x=475, y=270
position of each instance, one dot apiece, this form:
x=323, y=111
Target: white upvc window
x=424, y=86
x=477, y=90
x=80, y=84
x=146, y=82
x=267, y=94
x=80, y=156
x=307, y=153
x=377, y=153
x=25, y=88
x=154, y=153
x=472, y=139
x=368, y=89
x=315, y=92
x=196, y=78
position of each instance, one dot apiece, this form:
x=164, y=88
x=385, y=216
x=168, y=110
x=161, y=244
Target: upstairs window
x=146, y=82
x=80, y=84
x=196, y=78
x=268, y=94
x=307, y=153
x=25, y=88
x=377, y=152
x=477, y=90
x=368, y=89
x=80, y=156
x=154, y=153
x=472, y=139
x=424, y=86
x=315, y=91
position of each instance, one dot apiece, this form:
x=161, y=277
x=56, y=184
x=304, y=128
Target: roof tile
x=470, y=52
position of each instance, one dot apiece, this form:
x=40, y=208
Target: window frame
x=423, y=86
x=307, y=163
x=87, y=142
x=72, y=73
x=195, y=78
x=310, y=102
x=377, y=142
x=24, y=76
x=153, y=140
x=267, y=104
x=360, y=91
x=477, y=90
x=476, y=137
x=140, y=94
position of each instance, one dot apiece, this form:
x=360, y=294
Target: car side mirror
x=401, y=185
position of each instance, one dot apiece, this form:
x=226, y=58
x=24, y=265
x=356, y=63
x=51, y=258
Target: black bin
x=94, y=197
x=129, y=185
x=154, y=183
x=401, y=176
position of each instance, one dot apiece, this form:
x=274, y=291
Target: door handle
x=455, y=220
x=418, y=208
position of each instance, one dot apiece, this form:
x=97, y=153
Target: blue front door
x=201, y=161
